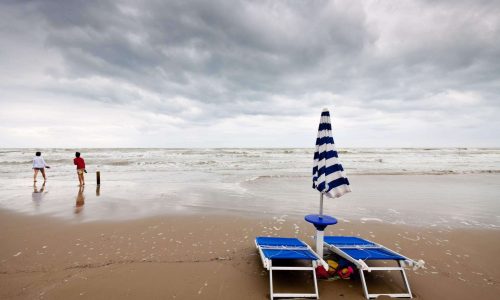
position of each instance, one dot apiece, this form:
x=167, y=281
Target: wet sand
x=467, y=200
x=213, y=257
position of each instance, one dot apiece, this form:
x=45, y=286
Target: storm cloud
x=249, y=73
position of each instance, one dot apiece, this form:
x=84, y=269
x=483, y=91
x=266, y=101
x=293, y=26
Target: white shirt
x=38, y=162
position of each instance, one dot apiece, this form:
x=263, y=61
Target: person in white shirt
x=39, y=165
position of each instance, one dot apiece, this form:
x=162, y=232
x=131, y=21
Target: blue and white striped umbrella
x=328, y=176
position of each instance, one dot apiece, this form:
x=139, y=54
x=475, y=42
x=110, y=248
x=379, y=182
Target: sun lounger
x=276, y=248
x=359, y=251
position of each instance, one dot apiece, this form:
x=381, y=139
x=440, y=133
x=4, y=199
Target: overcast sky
x=249, y=73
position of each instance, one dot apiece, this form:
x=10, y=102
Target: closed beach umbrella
x=328, y=177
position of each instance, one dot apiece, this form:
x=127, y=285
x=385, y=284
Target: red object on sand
x=346, y=273
x=321, y=273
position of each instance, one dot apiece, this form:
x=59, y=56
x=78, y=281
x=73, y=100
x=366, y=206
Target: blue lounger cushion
x=359, y=248
x=284, y=248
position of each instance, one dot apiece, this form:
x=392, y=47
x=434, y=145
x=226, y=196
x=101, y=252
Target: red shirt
x=79, y=162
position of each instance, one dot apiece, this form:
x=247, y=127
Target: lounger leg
x=315, y=280
x=363, y=283
x=403, y=274
x=271, y=279
x=405, y=279
x=273, y=295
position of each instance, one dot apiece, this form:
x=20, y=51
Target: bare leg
x=34, y=176
x=83, y=178
x=43, y=173
x=80, y=178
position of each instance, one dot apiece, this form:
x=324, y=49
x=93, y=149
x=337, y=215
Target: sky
x=229, y=73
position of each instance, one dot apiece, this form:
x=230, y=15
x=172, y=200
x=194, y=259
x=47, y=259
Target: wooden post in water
x=98, y=176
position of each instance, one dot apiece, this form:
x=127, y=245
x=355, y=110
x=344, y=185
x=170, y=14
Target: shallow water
x=139, y=183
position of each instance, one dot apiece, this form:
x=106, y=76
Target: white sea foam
x=269, y=162
x=371, y=220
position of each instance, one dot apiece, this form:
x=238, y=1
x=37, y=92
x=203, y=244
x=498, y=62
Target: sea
x=447, y=187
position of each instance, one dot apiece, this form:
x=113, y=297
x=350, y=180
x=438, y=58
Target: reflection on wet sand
x=37, y=194
x=98, y=190
x=80, y=200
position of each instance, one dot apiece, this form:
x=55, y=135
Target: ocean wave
x=264, y=177
x=205, y=162
x=362, y=161
x=29, y=162
x=488, y=171
x=3, y=151
x=118, y=163
x=420, y=172
x=372, y=173
x=16, y=163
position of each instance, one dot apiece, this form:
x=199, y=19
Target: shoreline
x=453, y=201
x=213, y=257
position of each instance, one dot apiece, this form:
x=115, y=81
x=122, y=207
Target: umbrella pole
x=321, y=204
x=320, y=233
x=320, y=236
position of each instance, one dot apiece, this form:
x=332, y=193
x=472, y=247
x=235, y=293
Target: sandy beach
x=145, y=145
x=163, y=228
x=213, y=257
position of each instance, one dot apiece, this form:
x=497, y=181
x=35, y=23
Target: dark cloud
x=212, y=52
x=284, y=58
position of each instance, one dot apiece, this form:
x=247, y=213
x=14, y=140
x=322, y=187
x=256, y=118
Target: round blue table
x=320, y=222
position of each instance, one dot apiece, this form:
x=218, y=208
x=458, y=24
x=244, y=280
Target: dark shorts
x=39, y=169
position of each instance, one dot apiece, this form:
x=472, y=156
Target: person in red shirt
x=80, y=168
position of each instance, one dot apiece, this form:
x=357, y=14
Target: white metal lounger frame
x=362, y=266
x=268, y=264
